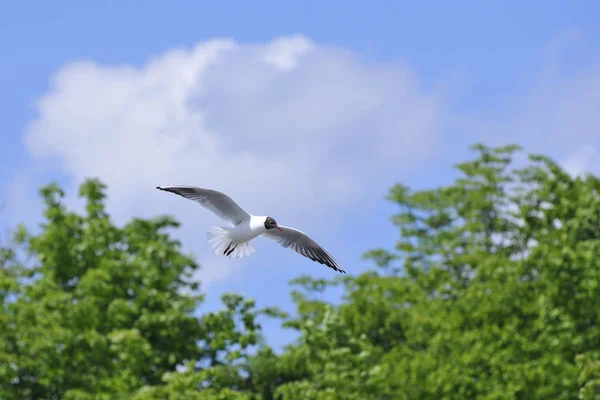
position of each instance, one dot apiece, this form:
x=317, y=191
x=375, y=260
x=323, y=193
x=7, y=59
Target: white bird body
x=248, y=229
x=235, y=241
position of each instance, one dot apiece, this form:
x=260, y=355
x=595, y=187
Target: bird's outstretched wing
x=301, y=243
x=213, y=200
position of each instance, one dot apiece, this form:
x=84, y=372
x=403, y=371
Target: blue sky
x=424, y=78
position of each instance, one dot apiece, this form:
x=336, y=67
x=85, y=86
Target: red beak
x=281, y=230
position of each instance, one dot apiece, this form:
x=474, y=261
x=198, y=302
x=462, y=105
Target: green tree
x=228, y=369
x=101, y=312
x=9, y=290
x=104, y=312
x=492, y=292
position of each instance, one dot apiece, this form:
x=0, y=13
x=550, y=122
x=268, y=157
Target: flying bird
x=235, y=241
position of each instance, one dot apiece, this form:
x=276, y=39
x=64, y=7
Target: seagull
x=235, y=242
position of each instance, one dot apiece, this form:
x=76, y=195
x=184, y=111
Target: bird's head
x=270, y=223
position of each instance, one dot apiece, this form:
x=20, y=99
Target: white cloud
x=561, y=113
x=284, y=53
x=292, y=127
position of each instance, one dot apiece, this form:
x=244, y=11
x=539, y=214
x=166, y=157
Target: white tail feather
x=219, y=240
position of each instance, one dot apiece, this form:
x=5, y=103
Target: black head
x=270, y=223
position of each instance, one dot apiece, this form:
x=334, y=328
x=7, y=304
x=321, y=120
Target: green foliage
x=227, y=338
x=492, y=291
x=101, y=311
x=106, y=311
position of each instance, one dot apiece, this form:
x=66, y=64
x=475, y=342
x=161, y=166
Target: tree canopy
x=492, y=291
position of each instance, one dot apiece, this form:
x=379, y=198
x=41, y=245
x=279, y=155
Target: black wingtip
x=159, y=188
